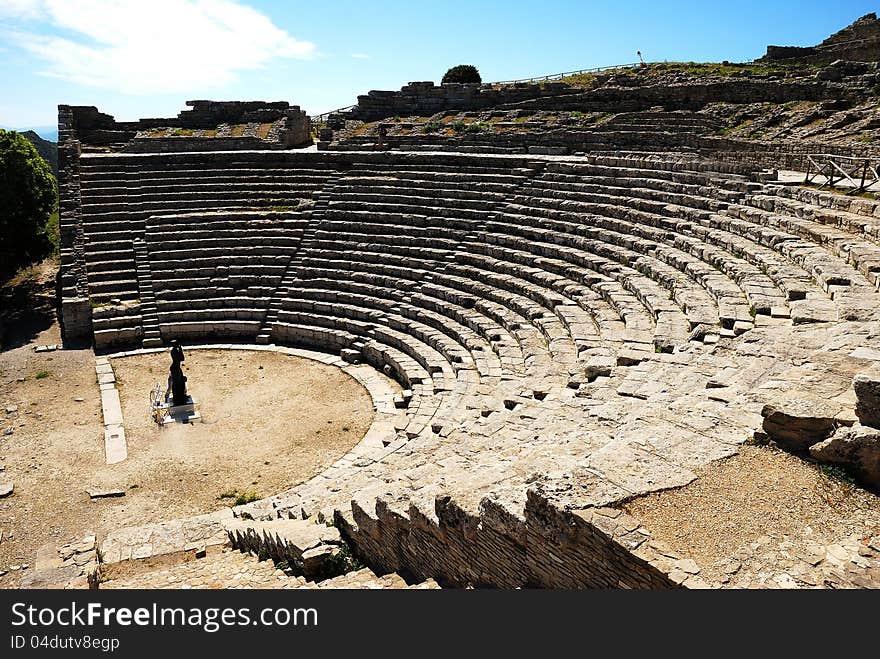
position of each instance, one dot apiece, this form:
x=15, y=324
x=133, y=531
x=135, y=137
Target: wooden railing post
x=862, y=173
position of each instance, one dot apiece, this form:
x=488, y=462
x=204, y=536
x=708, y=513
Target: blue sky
x=134, y=58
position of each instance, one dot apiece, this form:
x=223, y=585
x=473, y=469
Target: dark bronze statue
x=177, y=380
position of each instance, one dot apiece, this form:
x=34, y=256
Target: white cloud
x=158, y=47
x=27, y=9
x=360, y=56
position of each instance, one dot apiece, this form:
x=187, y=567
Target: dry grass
x=263, y=130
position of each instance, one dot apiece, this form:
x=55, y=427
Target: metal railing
x=861, y=173
x=566, y=74
x=321, y=118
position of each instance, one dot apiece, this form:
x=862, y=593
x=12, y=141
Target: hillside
x=794, y=100
x=47, y=150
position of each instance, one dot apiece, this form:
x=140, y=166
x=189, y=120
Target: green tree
x=28, y=195
x=463, y=73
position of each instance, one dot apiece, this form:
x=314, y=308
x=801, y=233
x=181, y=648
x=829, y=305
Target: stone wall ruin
x=859, y=42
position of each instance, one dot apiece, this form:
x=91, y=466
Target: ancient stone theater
x=615, y=328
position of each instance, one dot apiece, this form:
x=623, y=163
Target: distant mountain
x=48, y=150
x=49, y=133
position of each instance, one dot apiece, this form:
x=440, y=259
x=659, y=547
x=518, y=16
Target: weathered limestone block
x=180, y=535
x=74, y=565
x=857, y=449
x=867, y=386
x=304, y=545
x=799, y=422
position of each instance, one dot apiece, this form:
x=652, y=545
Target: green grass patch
x=835, y=473
x=42, y=375
x=341, y=563
x=582, y=80
x=240, y=498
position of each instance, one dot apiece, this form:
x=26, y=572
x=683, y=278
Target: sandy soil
x=270, y=422
x=762, y=492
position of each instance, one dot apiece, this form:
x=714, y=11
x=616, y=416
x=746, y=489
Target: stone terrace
x=570, y=333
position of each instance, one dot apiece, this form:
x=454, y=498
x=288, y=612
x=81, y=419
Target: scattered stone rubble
x=74, y=565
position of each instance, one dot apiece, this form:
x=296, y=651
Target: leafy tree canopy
x=463, y=73
x=28, y=195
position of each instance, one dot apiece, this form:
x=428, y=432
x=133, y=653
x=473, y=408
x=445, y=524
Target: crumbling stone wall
x=207, y=114
x=779, y=154
x=859, y=42
x=98, y=129
x=426, y=98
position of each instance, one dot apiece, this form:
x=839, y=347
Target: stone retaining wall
x=198, y=144
x=750, y=154
x=426, y=98
x=779, y=154
x=76, y=318
x=546, y=547
x=689, y=96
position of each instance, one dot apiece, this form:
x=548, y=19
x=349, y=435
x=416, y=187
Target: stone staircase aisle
x=322, y=202
x=232, y=569
x=152, y=338
x=235, y=553
x=226, y=569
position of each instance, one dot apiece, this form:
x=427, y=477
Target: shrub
x=458, y=126
x=341, y=563
x=432, y=127
x=240, y=498
x=28, y=196
x=463, y=74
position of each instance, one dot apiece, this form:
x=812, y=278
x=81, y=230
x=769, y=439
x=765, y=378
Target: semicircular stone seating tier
x=600, y=326
x=125, y=198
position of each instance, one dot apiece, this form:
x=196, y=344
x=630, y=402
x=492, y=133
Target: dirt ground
x=761, y=492
x=269, y=422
